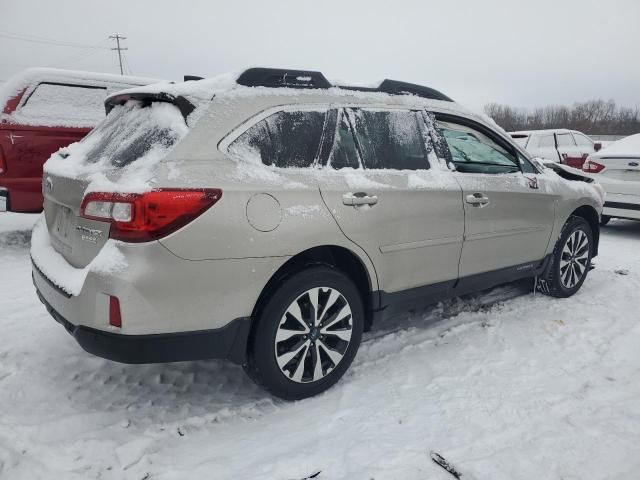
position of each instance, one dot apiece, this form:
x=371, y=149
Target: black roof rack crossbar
x=280, y=77
x=395, y=87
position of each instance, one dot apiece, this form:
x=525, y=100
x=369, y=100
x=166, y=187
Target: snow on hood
x=627, y=147
x=583, y=183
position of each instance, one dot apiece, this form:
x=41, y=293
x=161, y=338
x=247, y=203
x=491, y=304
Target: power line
x=47, y=41
x=127, y=66
x=76, y=58
x=117, y=37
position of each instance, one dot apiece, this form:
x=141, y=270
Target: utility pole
x=117, y=37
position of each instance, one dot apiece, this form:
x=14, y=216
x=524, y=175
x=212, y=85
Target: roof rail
x=281, y=77
x=395, y=87
x=278, y=77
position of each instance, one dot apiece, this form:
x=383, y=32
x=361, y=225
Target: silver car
x=270, y=218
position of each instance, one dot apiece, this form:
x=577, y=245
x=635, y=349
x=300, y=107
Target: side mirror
x=597, y=146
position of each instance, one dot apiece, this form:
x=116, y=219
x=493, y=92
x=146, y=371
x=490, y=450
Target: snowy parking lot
x=504, y=385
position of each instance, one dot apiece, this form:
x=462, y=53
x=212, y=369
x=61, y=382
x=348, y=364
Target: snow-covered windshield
x=131, y=131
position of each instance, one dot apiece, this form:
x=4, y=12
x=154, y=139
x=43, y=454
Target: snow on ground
x=504, y=384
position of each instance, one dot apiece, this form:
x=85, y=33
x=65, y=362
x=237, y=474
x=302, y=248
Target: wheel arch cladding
x=591, y=216
x=333, y=256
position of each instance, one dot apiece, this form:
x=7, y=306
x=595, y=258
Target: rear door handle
x=477, y=199
x=359, y=198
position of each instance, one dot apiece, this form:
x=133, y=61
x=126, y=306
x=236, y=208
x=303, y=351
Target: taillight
x=574, y=162
x=592, y=167
x=13, y=102
x=141, y=217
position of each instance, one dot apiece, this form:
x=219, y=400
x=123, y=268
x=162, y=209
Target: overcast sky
x=527, y=54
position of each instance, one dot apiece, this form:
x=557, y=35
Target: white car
x=560, y=145
x=617, y=169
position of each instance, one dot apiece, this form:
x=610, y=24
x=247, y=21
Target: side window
x=582, y=140
x=526, y=166
x=474, y=152
x=390, y=139
x=344, y=152
x=284, y=139
x=565, y=140
x=546, y=141
x=52, y=104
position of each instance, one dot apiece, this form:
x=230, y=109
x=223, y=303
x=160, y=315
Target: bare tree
x=592, y=117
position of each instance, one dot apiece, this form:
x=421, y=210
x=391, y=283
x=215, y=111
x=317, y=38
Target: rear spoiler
x=184, y=105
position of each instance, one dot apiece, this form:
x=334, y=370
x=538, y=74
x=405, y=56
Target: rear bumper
x=622, y=206
x=228, y=342
x=25, y=194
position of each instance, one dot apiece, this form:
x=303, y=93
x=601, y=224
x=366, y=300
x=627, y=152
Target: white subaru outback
x=269, y=218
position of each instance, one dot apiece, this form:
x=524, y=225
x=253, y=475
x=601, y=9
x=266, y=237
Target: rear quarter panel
x=262, y=213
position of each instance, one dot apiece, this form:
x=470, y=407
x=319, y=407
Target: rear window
x=344, y=152
x=287, y=139
x=546, y=141
x=565, y=140
x=390, y=139
x=53, y=104
x=131, y=132
x=582, y=141
x=521, y=140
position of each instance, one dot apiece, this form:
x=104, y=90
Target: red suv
x=41, y=111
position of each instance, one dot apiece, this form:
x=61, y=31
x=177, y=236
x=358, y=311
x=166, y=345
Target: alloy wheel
x=574, y=259
x=313, y=335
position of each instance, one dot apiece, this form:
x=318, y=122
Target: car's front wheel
x=571, y=259
x=307, y=334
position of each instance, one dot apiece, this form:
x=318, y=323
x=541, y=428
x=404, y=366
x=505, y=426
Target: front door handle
x=359, y=198
x=477, y=199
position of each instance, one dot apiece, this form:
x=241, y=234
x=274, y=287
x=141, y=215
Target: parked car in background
x=617, y=169
x=565, y=146
x=42, y=110
x=270, y=218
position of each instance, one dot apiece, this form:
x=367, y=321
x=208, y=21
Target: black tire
x=262, y=361
x=553, y=282
x=604, y=219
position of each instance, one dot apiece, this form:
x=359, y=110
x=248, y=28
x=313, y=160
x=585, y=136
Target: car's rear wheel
x=571, y=259
x=307, y=334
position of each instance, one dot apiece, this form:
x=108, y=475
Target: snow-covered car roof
x=49, y=97
x=234, y=86
x=627, y=147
